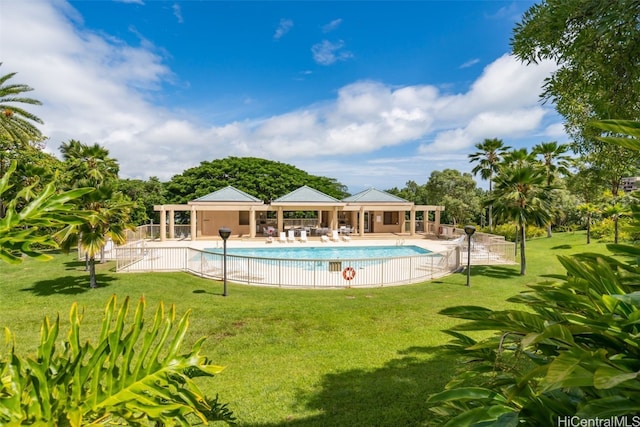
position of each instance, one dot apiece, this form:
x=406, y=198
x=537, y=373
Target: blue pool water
x=326, y=252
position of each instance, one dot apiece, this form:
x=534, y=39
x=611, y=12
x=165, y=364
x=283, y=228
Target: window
x=390, y=218
x=243, y=217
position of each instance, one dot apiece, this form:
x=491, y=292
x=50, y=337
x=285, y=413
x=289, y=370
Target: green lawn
x=353, y=357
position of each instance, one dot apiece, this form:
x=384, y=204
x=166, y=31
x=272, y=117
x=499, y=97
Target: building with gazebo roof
x=370, y=211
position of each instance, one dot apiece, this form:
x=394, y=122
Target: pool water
x=326, y=252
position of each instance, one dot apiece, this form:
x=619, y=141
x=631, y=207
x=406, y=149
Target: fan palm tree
x=91, y=166
x=554, y=161
x=488, y=160
x=520, y=195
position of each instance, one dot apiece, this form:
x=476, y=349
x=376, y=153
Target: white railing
x=321, y=273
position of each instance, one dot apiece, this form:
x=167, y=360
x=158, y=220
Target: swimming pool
x=326, y=252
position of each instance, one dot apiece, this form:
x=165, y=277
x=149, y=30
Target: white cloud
x=98, y=89
x=470, y=63
x=326, y=52
x=284, y=27
x=177, y=12
x=331, y=26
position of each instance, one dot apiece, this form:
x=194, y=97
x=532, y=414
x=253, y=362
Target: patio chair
x=303, y=236
x=324, y=238
x=282, y=238
x=291, y=236
x=346, y=237
x=334, y=236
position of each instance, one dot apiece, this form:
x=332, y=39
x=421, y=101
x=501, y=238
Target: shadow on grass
x=68, y=285
x=494, y=271
x=393, y=395
x=562, y=247
x=202, y=291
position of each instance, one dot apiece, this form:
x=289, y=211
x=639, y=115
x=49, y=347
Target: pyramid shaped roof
x=228, y=194
x=306, y=194
x=372, y=195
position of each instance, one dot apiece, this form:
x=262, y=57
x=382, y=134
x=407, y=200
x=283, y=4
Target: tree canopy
x=264, y=179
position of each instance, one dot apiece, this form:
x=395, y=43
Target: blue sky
x=371, y=93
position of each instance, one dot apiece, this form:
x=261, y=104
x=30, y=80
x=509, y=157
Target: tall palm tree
x=521, y=196
x=488, y=160
x=554, y=161
x=518, y=157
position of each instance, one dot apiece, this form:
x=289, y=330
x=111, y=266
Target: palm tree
x=91, y=166
x=17, y=129
x=588, y=210
x=518, y=157
x=554, y=162
x=521, y=196
x=488, y=159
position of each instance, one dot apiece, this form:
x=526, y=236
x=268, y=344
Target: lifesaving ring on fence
x=348, y=273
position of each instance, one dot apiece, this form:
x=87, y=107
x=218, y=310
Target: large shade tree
x=487, y=159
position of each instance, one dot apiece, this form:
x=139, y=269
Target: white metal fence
x=321, y=273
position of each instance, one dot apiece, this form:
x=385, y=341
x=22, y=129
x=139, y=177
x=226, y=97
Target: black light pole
x=224, y=233
x=469, y=230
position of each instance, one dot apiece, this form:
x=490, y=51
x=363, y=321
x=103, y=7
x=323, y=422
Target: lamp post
x=224, y=233
x=469, y=230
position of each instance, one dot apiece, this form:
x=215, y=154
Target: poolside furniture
x=334, y=236
x=303, y=236
x=282, y=238
x=291, y=235
x=346, y=237
x=324, y=238
x=269, y=239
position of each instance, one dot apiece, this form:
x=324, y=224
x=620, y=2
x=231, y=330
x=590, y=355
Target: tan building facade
x=371, y=211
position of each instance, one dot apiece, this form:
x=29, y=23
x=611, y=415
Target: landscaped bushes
x=509, y=231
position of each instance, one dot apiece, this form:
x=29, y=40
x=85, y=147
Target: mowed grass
x=350, y=357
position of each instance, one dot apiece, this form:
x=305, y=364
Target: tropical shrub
x=572, y=350
x=604, y=230
x=130, y=375
x=509, y=231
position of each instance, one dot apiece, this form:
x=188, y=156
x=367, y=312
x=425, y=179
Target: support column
x=163, y=224
x=412, y=218
x=361, y=222
x=353, y=220
x=252, y=222
x=319, y=224
x=436, y=223
x=172, y=224
x=280, y=219
x=334, y=218
x=194, y=222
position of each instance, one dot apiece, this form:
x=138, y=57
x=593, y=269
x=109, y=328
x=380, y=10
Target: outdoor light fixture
x=469, y=230
x=224, y=233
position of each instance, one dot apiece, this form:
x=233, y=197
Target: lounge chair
x=291, y=236
x=303, y=236
x=283, y=237
x=346, y=237
x=334, y=236
x=324, y=238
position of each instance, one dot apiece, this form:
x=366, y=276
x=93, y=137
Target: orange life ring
x=348, y=273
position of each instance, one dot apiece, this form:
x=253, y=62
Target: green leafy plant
x=21, y=229
x=131, y=374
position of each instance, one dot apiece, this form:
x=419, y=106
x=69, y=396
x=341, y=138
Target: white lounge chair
x=291, y=236
x=303, y=236
x=283, y=237
x=346, y=237
x=334, y=236
x=324, y=238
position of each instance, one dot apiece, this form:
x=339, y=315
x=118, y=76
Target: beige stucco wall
x=209, y=222
x=378, y=225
